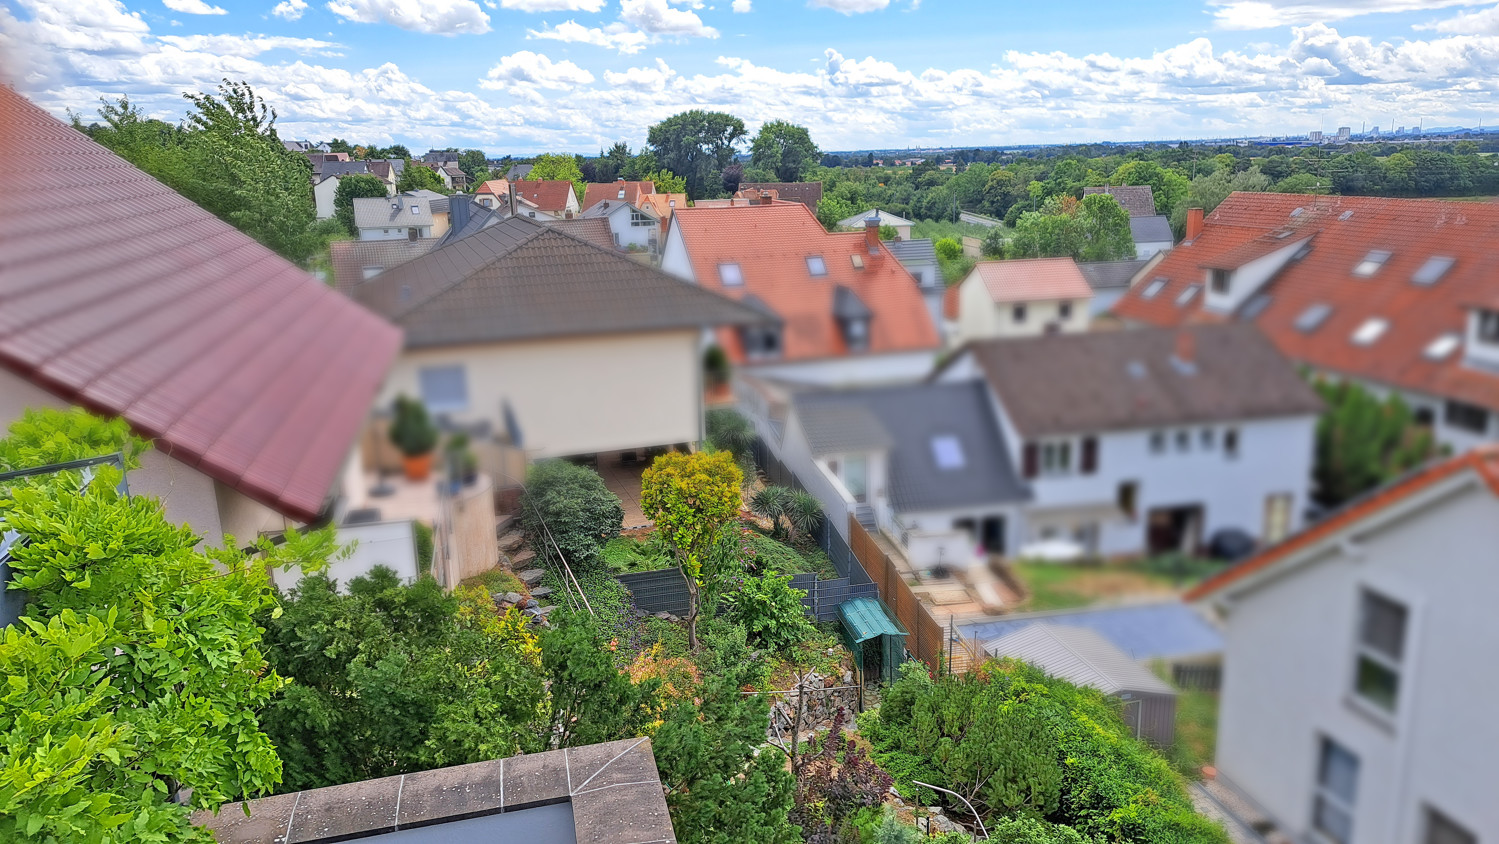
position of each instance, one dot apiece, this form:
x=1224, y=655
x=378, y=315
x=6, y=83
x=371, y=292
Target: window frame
x=1056, y=458
x=1488, y=327
x=1372, y=653
x=1325, y=793
x=1157, y=442
x=820, y=270
x=735, y=278
x=1453, y=412
x=443, y=405
x=1064, y=310
x=1432, y=817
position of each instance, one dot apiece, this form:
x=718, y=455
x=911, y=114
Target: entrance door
x=993, y=536
x=856, y=478
x=1174, y=529
x=1277, y=517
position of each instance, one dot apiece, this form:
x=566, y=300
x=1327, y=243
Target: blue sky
x=521, y=76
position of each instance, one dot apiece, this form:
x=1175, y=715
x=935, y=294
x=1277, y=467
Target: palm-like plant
x=770, y=503
x=728, y=430
x=802, y=511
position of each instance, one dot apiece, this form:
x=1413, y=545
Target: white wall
x=1245, y=281
x=674, y=258
x=895, y=367
x=323, y=194
x=577, y=395
x=1151, y=247
x=394, y=233
x=626, y=234
x=1288, y=673
x=980, y=317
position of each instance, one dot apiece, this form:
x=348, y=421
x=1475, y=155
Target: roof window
x=1187, y=295
x=858, y=261
x=947, y=450
x=1153, y=288
x=730, y=275
x=1312, y=318
x=816, y=265
x=1296, y=212
x=1254, y=307
x=415, y=210
x=1371, y=263
x=1432, y=271
x=1372, y=329
x=1346, y=215
x=1442, y=346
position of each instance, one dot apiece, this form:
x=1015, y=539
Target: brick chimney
x=767, y=198
x=1194, y=224
x=872, y=234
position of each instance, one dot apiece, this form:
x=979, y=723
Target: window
x=671, y=203
x=1153, y=288
x=415, y=210
x=1337, y=788
x=1187, y=295
x=1443, y=346
x=730, y=275
x=444, y=388
x=641, y=219
x=1056, y=457
x=1018, y=314
x=947, y=450
x=371, y=272
x=1488, y=327
x=1064, y=310
x=1312, y=318
x=856, y=334
x=486, y=202
x=1127, y=497
x=1206, y=436
x=1183, y=440
x=1231, y=442
x=1466, y=417
x=1441, y=829
x=1219, y=279
x=1277, y=517
x=1372, y=329
x=816, y=265
x=1371, y=263
x=1157, y=442
x=1381, y=648
x=761, y=341
x=857, y=261
x=856, y=477
x=1432, y=271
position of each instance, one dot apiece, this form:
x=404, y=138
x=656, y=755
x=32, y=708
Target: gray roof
x=918, y=252
x=1111, y=275
x=520, y=279
x=374, y=212
x=1154, y=229
x=1166, y=630
x=1131, y=379
x=1079, y=656
x=886, y=219
x=342, y=168
x=1138, y=200
x=905, y=419
x=518, y=171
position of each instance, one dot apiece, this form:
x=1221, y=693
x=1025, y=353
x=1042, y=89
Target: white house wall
x=323, y=194
x=1247, y=280
x=892, y=368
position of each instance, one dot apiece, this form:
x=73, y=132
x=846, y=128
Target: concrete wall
x=390, y=544
x=1288, y=674
x=895, y=367
x=576, y=395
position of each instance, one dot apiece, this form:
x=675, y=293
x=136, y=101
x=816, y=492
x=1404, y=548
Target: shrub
x=412, y=430
x=728, y=430
x=716, y=367
x=770, y=610
x=766, y=554
x=624, y=555
x=949, y=248
x=422, y=537
x=770, y=503
x=569, y=506
x=836, y=781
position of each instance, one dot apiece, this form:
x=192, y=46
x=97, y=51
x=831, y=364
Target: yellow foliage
x=508, y=630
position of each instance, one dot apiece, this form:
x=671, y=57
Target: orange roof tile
x=494, y=187
x=596, y=192
x=548, y=195
x=1344, y=229
x=771, y=244
x=1030, y=279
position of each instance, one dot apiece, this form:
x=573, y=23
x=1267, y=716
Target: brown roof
x=1031, y=279
x=521, y=279
x=548, y=195
x=1119, y=380
x=350, y=258
x=1138, y=200
x=1343, y=231
x=596, y=192
x=594, y=230
x=120, y=295
x=807, y=193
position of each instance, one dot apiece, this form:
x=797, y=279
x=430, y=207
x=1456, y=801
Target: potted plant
x=414, y=434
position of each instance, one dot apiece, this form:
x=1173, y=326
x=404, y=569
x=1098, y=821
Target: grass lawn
x=935, y=229
x=1196, y=728
x=1060, y=586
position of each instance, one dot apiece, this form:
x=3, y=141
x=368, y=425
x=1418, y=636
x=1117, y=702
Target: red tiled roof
x=493, y=187
x=1483, y=460
x=952, y=305
x=596, y=192
x=1030, y=279
x=771, y=244
x=1138, y=200
x=1343, y=230
x=120, y=295
x=548, y=195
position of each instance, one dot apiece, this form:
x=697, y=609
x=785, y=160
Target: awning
x=866, y=618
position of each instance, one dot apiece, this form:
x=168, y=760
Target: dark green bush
x=422, y=536
x=769, y=609
x=412, y=430
x=569, y=505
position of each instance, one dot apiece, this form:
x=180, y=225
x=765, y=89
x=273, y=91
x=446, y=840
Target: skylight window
x=947, y=450
x=1346, y=215
x=1187, y=295
x=816, y=265
x=1153, y=288
x=730, y=275
x=1254, y=307
x=1312, y=318
x=1372, y=329
x=1432, y=271
x=1443, y=346
x=1371, y=263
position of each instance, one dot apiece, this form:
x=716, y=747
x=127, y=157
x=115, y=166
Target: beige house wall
x=980, y=317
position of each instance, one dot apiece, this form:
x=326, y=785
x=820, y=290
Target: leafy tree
x=690, y=497
x=567, y=508
x=698, y=145
x=558, y=167
x=1208, y=191
x=784, y=148
x=949, y=248
x=1302, y=183
x=474, y=164
x=1105, y=231
x=831, y=210
x=353, y=187
x=1167, y=186
x=1094, y=229
x=666, y=182
x=392, y=679
x=994, y=241
x=591, y=700
x=1364, y=441
x=770, y=611
x=418, y=176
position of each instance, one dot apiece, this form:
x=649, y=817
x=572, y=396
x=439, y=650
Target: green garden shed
x=874, y=636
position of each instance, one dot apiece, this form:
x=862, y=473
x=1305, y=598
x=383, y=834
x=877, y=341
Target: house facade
x=1350, y=709
x=616, y=191
x=544, y=199
x=406, y=216
x=634, y=229
x=901, y=225
x=1023, y=298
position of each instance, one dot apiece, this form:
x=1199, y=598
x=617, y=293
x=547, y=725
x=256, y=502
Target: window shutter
x=1032, y=460
x=1090, y=455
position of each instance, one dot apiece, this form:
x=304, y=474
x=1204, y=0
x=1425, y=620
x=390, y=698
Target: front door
x=993, y=536
x=1174, y=529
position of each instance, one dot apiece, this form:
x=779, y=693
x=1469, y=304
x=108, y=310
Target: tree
x=591, y=700
x=733, y=176
x=784, y=148
x=949, y=248
x=666, y=182
x=353, y=187
x=136, y=676
x=1104, y=228
x=418, y=176
x=559, y=167
x=1168, y=186
x=831, y=211
x=1094, y=229
x=1363, y=441
x=690, y=497
x=474, y=164
x=698, y=145
x=567, y=508
x=392, y=679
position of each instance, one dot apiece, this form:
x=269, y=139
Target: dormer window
x=671, y=203
x=1372, y=329
x=1371, y=263
x=730, y=275
x=1219, y=280
x=761, y=342
x=1488, y=327
x=1153, y=288
x=816, y=265
x=1432, y=271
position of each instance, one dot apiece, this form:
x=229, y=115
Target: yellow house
x=1023, y=298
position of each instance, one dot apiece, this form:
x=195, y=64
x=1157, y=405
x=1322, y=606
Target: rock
x=942, y=824
x=541, y=591
x=511, y=541
x=532, y=604
x=512, y=598
x=531, y=577
x=520, y=558
x=544, y=611
x=848, y=677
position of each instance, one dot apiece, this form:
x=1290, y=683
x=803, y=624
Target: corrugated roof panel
x=1079, y=656
x=867, y=618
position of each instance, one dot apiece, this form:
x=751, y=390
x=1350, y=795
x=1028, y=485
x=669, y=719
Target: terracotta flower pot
x=417, y=468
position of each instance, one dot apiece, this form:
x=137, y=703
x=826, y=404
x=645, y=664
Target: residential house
x=406, y=216
x=389, y=170
x=518, y=172
x=1109, y=281
x=1396, y=294
x=453, y=177
x=1151, y=441
x=1352, y=709
x=435, y=158
x=552, y=198
x=1138, y=200
x=250, y=377
x=1023, y=298
x=844, y=310
x=663, y=205
x=494, y=193
x=618, y=191
x=1151, y=230
x=355, y=261
x=562, y=346
x=807, y=193
x=325, y=183
x=901, y=225
x=634, y=229
x=919, y=257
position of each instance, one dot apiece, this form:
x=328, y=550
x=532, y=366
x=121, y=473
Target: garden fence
x=664, y=590
x=926, y=639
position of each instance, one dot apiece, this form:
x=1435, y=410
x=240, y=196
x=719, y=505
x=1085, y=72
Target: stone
x=541, y=591
x=520, y=558
x=512, y=598
x=543, y=612
x=511, y=541
x=531, y=577
x=532, y=604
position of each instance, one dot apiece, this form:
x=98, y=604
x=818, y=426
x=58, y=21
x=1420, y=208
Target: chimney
x=1194, y=224
x=872, y=233
x=766, y=197
x=458, y=209
x=1185, y=355
x=511, y=186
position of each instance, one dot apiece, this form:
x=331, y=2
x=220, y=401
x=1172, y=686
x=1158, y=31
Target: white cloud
x=615, y=36
x=193, y=7
x=849, y=7
x=535, y=69
x=1482, y=22
x=290, y=9
x=246, y=46
x=740, y=7
x=658, y=18
x=642, y=78
x=553, y=5
x=1267, y=14
x=441, y=17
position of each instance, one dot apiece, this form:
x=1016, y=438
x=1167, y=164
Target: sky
x=525, y=76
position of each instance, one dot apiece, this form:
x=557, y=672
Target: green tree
x=1168, y=186
x=591, y=700
x=1104, y=227
x=418, y=176
x=698, y=145
x=949, y=248
x=567, y=508
x=474, y=164
x=666, y=182
x=358, y=185
x=690, y=497
x=1305, y=183
x=558, y=167
x=785, y=149
x=831, y=210
x=1364, y=441
x=770, y=610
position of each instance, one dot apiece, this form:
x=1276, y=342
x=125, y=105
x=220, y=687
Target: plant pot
x=417, y=468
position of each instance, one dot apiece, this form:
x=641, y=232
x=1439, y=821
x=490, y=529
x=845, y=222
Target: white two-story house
x=1357, y=707
x=1150, y=441
x=1023, y=298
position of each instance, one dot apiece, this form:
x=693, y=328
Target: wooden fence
x=926, y=639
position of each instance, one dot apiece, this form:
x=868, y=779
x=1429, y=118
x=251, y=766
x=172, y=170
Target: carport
x=875, y=637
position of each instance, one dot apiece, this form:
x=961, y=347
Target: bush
x=728, y=430
x=716, y=367
x=949, y=248
x=766, y=554
x=412, y=430
x=624, y=554
x=770, y=610
x=569, y=505
x=422, y=537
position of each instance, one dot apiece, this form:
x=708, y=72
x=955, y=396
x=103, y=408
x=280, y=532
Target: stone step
x=541, y=592
x=531, y=577
x=511, y=541
x=520, y=558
